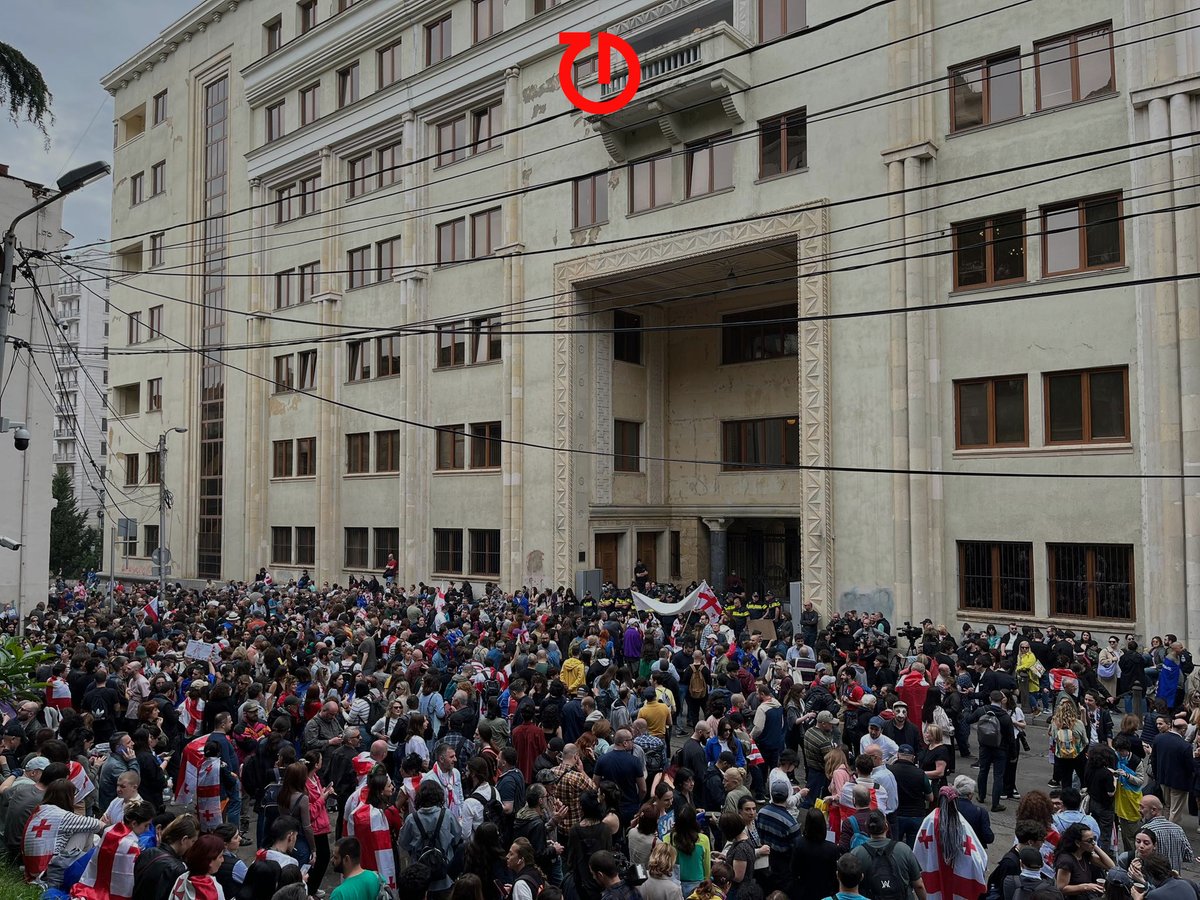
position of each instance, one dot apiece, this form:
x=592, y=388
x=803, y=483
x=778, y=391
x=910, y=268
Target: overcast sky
x=74, y=42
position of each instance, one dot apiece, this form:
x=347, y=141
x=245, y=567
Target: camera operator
x=607, y=874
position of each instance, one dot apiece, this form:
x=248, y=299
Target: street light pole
x=163, y=558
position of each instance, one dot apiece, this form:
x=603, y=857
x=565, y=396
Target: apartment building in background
x=438, y=312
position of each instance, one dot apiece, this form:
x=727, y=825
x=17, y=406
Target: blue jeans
x=907, y=828
x=233, y=807
x=992, y=758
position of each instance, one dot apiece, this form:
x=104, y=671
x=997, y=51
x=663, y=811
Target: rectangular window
x=387, y=543
x=285, y=375
x=308, y=16
x=275, y=121
x=154, y=395
x=387, y=63
x=650, y=183
x=150, y=541
x=760, y=444
x=358, y=453
x=308, y=369
x=485, y=445
x=388, y=161
x=306, y=545
x=158, y=178
x=137, y=188
x=486, y=126
x=387, y=355
x=452, y=242
x=131, y=469
x=1083, y=235
x=283, y=289
x=779, y=17
x=448, y=550
x=450, y=444
x=1075, y=67
x=989, y=251
x=285, y=204
x=156, y=249
x=783, y=143
x=273, y=35
x=485, y=339
x=759, y=334
x=627, y=446
x=309, y=104
x=360, y=360
x=627, y=337
x=309, y=195
x=1094, y=581
x=451, y=349
x=997, y=577
x=155, y=324
x=153, y=468
x=437, y=41
x=485, y=551
x=343, y=5
x=159, y=114
x=452, y=141
x=387, y=253
x=310, y=281
x=356, y=548
x=586, y=68
x=281, y=459
x=347, y=85
x=486, y=232
x=135, y=328
x=986, y=91
x=360, y=180
x=358, y=261
x=387, y=451
x=991, y=412
x=306, y=456
x=710, y=165
x=1087, y=407
x=488, y=18
x=589, y=200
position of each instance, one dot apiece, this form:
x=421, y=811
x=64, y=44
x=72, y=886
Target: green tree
x=73, y=545
x=23, y=89
x=17, y=667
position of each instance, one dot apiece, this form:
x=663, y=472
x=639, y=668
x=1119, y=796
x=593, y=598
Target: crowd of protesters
x=379, y=741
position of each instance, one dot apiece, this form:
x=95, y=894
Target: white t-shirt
x=116, y=811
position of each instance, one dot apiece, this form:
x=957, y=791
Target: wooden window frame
x=282, y=465
x=486, y=118
x=388, y=58
x=1080, y=205
x=389, y=161
x=597, y=189
x=1085, y=399
x=456, y=148
x=135, y=328
x=387, y=349
x=1073, y=37
x=359, y=355
x=485, y=333
x=494, y=19
x=784, y=28
x=651, y=164
x=157, y=253
x=308, y=194
x=349, y=547
x=445, y=40
x=621, y=455
x=158, y=109
x=387, y=252
x=360, y=173
x=137, y=188
x=150, y=539
x=709, y=147
x=273, y=35
x=285, y=198
x=310, y=104
x=358, y=453
x=154, y=322
x=491, y=220
x=158, y=178
x=486, y=444
x=738, y=465
x=985, y=64
x=154, y=394
x=306, y=451
x=451, y=447
x=306, y=545
x=281, y=540
x=285, y=374
x=782, y=121
x=385, y=541
x=349, y=90
x=488, y=535
x=309, y=278
x=455, y=250
x=995, y=549
x=283, y=289
x=358, y=267
x=1090, y=580
x=308, y=16
x=306, y=370
x=153, y=468
x=275, y=125
x=132, y=470
x=387, y=451
x=989, y=245
x=992, y=443
x=454, y=547
x=457, y=345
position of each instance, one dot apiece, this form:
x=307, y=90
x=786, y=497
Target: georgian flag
x=208, y=794
x=193, y=756
x=37, y=845
x=707, y=602
x=375, y=838
x=151, y=609
x=966, y=877
x=58, y=693
x=79, y=778
x=196, y=887
x=439, y=602
x=362, y=763
x=191, y=710
x=109, y=873
x=357, y=798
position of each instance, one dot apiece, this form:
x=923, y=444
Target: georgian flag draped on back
x=193, y=756
x=375, y=838
x=963, y=879
x=109, y=873
x=37, y=846
x=58, y=693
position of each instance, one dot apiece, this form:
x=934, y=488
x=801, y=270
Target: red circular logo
x=577, y=42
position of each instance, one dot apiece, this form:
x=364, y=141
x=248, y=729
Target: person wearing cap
x=777, y=828
x=818, y=740
x=914, y=793
x=876, y=736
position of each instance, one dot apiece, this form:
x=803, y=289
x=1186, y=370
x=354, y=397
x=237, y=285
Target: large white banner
x=682, y=608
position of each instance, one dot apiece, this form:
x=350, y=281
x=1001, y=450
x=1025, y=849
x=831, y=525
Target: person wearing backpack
x=853, y=833
x=890, y=870
x=1030, y=878
x=994, y=733
x=431, y=836
x=698, y=686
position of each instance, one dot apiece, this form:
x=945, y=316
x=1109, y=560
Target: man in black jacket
x=994, y=759
x=691, y=754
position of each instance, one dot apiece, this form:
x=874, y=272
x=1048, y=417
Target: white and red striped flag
x=58, y=693
x=151, y=609
x=109, y=873
x=965, y=878
x=375, y=838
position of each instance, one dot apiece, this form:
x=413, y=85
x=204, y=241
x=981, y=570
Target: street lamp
x=163, y=557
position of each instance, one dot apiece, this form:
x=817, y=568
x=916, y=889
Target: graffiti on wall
x=878, y=599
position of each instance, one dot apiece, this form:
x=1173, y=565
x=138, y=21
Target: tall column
x=329, y=416
x=718, y=550
x=898, y=367
x=513, y=455
x=257, y=472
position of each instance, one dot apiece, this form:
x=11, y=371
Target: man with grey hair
x=974, y=813
x=324, y=731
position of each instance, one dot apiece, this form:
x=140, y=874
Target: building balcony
x=681, y=74
x=62, y=458
x=68, y=312
x=64, y=433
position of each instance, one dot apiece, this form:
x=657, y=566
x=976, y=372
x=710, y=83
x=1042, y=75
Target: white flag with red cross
x=965, y=878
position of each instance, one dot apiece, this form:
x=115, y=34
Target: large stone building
x=380, y=218
x=29, y=395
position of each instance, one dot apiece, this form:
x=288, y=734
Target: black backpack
x=429, y=853
x=493, y=810
x=987, y=728
x=881, y=878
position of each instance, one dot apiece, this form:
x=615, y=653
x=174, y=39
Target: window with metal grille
x=150, y=544
x=995, y=576
x=485, y=551
x=448, y=550
x=387, y=541
x=306, y=545
x=281, y=545
x=357, y=552
x=153, y=468
x=1093, y=581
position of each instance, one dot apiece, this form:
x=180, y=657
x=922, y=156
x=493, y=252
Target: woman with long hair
x=484, y=858
x=693, y=850
x=1017, y=714
x=467, y=887
x=1029, y=673
x=478, y=792
x=1101, y=783
x=740, y=852
x=1036, y=806
x=318, y=794
x=837, y=775
x=813, y=859
x=203, y=860
x=1080, y=864
x=937, y=759
x=46, y=845
x=1068, y=742
x=294, y=802
x=949, y=852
